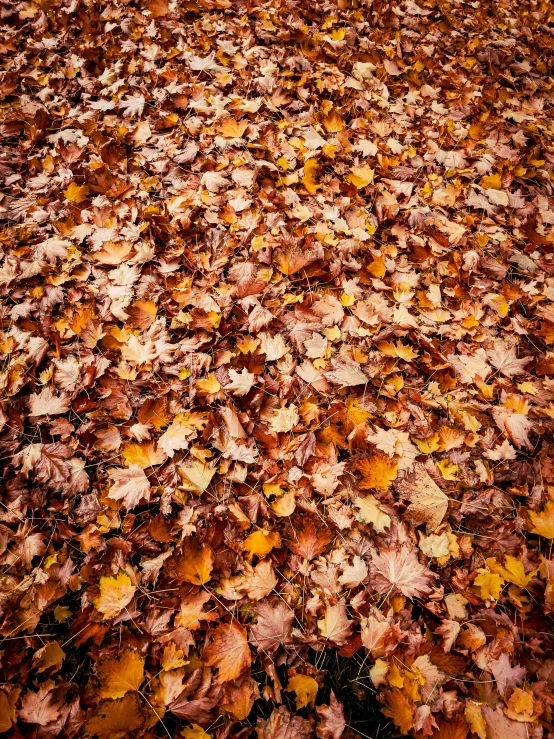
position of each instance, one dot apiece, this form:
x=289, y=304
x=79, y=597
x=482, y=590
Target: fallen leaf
x=229, y=651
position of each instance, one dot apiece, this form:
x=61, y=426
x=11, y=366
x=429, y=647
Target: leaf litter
x=277, y=371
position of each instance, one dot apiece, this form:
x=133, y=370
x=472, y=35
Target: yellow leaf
x=347, y=300
x=371, y=513
x=76, y=193
x=260, y=543
x=522, y=706
x=284, y=506
x=361, y=176
x=197, y=476
x=210, y=385
x=310, y=170
x=395, y=677
x=543, y=522
x=475, y=719
x=119, y=676
x=427, y=446
x=378, y=472
x=195, y=732
x=492, y=182
x=512, y=571
x=399, y=350
x=527, y=387
x=144, y=454
x=115, y=593
x=305, y=689
x=448, y=469
x=401, y=710
x=490, y=584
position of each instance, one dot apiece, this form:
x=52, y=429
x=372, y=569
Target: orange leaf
x=333, y=123
x=115, y=718
x=261, y=542
x=154, y=412
x=378, y=472
x=119, y=676
x=229, y=652
x=232, y=129
x=196, y=564
x=400, y=710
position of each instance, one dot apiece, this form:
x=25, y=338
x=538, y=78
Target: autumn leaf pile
x=277, y=370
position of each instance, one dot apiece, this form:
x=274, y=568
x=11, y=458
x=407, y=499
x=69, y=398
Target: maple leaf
x=428, y=504
x=115, y=718
x=490, y=584
x=378, y=472
x=543, y=521
x=335, y=626
x=513, y=570
x=115, y=593
x=272, y=628
x=130, y=486
x=370, y=512
x=499, y=726
x=47, y=403
x=40, y=708
x=194, y=731
x=240, y=697
x=332, y=722
x=347, y=375
x=305, y=689
x=76, y=193
x=229, y=651
x=400, y=709
x=400, y=569
x=260, y=543
x=361, y=176
x=197, y=476
x=504, y=357
x=241, y=382
x=118, y=676
x=192, y=611
x=260, y=580
x=144, y=455
x=474, y=717
x=505, y=675
x=284, y=419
